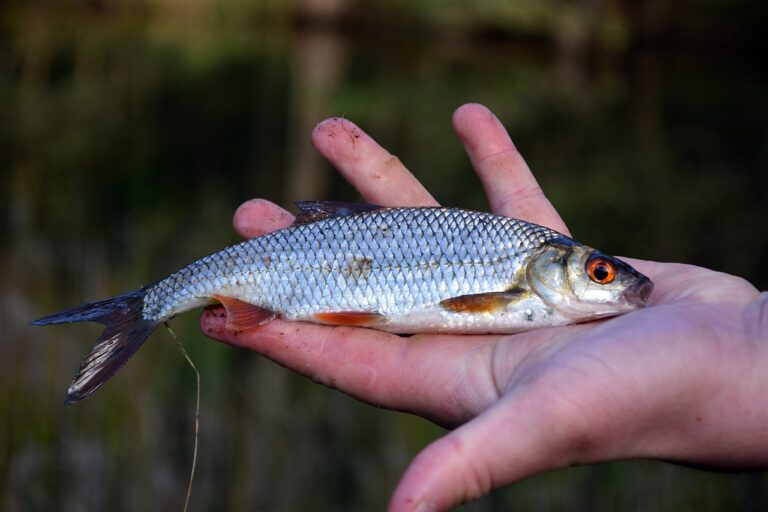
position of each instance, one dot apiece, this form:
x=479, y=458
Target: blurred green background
x=130, y=130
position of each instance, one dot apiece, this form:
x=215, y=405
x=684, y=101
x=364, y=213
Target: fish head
x=583, y=283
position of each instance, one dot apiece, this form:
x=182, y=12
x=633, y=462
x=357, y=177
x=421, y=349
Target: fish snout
x=638, y=293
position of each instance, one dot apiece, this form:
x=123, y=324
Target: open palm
x=657, y=382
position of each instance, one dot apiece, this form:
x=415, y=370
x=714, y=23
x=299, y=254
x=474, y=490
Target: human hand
x=683, y=380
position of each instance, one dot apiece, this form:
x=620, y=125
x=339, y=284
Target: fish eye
x=601, y=271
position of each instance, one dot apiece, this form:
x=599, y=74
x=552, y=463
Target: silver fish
x=402, y=270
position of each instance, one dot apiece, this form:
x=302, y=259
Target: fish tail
x=125, y=331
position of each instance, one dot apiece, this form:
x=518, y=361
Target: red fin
x=241, y=315
x=351, y=318
x=481, y=302
x=313, y=211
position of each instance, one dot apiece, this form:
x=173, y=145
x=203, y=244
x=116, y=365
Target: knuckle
x=526, y=193
x=498, y=158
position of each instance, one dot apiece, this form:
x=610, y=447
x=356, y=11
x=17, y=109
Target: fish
x=401, y=270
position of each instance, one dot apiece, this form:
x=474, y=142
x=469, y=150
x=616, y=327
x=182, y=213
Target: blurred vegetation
x=130, y=131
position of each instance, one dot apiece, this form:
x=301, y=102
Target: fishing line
x=197, y=413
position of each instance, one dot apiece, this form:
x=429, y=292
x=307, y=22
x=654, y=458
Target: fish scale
x=403, y=270
x=313, y=268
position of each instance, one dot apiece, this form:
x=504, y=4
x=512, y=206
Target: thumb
x=514, y=439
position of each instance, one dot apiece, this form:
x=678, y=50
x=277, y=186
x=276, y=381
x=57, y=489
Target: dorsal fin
x=313, y=211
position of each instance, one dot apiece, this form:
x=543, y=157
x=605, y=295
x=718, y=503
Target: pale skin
x=684, y=380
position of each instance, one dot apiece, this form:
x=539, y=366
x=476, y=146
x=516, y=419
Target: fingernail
x=425, y=506
x=330, y=122
x=325, y=122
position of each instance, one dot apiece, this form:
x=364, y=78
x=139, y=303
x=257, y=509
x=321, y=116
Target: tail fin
x=126, y=329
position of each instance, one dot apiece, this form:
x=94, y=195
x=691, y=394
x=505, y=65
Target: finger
x=376, y=174
x=514, y=439
x=511, y=187
x=257, y=217
x=409, y=374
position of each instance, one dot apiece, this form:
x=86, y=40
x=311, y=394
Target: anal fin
x=350, y=318
x=242, y=315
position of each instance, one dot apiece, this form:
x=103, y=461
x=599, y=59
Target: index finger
x=375, y=173
x=511, y=187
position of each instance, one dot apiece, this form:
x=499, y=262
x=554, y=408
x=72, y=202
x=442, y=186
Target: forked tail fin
x=126, y=329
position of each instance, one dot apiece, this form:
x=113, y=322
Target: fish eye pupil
x=600, y=272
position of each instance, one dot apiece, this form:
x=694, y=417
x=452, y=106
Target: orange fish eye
x=601, y=271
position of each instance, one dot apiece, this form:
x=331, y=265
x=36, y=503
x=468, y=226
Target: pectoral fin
x=242, y=315
x=482, y=302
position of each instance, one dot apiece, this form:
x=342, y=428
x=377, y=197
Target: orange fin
x=351, y=318
x=242, y=315
x=481, y=302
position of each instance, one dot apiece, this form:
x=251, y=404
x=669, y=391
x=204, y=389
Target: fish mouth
x=638, y=293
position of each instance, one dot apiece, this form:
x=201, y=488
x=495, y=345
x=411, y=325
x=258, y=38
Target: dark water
x=128, y=136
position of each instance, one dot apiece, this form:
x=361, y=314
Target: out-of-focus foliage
x=130, y=131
